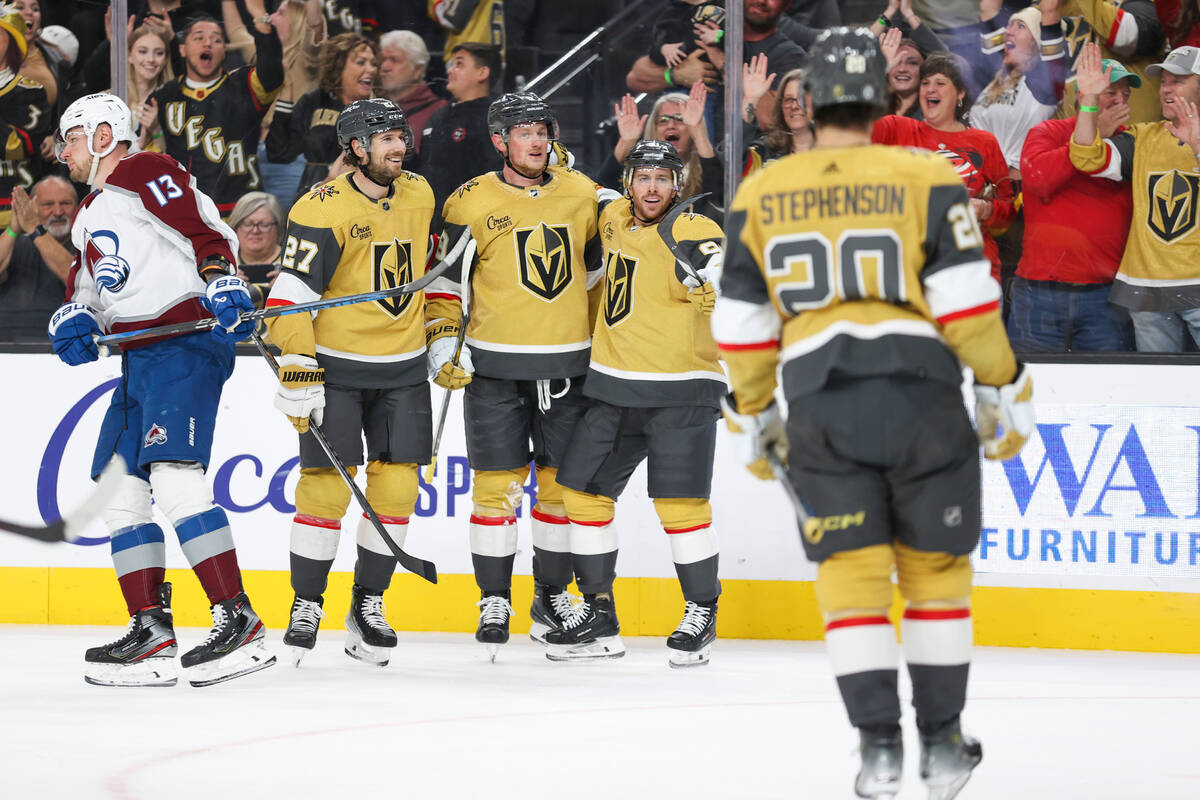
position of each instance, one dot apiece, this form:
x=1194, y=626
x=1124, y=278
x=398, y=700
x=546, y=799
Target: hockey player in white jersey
x=151, y=249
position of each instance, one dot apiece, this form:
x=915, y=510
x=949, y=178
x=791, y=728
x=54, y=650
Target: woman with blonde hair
x=149, y=68
x=258, y=220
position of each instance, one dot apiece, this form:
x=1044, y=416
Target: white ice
x=763, y=720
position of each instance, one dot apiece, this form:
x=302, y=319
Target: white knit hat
x=61, y=40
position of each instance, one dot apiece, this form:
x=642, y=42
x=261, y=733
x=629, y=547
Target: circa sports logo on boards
x=241, y=482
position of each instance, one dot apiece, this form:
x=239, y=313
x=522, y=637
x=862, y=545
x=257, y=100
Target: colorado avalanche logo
x=156, y=435
x=109, y=270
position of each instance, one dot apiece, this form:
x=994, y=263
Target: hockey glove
x=301, y=394
x=1004, y=416
x=73, y=331
x=756, y=436
x=227, y=298
x=443, y=368
x=703, y=295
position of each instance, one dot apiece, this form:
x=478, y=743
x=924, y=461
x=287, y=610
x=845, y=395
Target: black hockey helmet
x=652, y=154
x=520, y=108
x=362, y=119
x=845, y=65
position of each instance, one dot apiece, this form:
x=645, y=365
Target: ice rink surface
x=763, y=720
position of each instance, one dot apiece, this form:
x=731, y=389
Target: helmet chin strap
x=91, y=181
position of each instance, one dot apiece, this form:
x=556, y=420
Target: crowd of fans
x=1094, y=242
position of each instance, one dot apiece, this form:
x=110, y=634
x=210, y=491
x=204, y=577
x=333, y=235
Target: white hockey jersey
x=139, y=242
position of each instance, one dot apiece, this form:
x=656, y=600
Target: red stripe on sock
x=389, y=520
x=552, y=519
x=851, y=622
x=592, y=523
x=937, y=613
x=478, y=520
x=686, y=530
x=318, y=522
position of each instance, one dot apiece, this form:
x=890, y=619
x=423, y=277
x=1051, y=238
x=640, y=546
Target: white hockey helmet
x=89, y=112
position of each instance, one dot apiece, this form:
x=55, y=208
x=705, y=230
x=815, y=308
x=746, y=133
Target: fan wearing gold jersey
x=356, y=369
x=656, y=387
x=526, y=344
x=857, y=272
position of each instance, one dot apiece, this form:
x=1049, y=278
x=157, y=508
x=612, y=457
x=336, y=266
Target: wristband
x=884, y=21
x=1092, y=109
x=720, y=36
x=156, y=135
x=12, y=233
x=667, y=77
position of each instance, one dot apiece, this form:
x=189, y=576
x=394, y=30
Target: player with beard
x=356, y=369
x=526, y=345
x=211, y=119
x=656, y=386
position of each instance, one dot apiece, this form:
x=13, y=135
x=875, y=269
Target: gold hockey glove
x=756, y=436
x=1004, y=416
x=301, y=394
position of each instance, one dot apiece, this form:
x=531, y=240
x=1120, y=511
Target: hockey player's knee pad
x=322, y=493
x=584, y=507
x=180, y=489
x=933, y=579
x=549, y=493
x=683, y=513
x=500, y=488
x=855, y=580
x=392, y=488
x=129, y=505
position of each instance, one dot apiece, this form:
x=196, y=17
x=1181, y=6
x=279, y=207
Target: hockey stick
x=69, y=528
x=664, y=232
x=296, y=308
x=468, y=257
x=808, y=526
x=426, y=569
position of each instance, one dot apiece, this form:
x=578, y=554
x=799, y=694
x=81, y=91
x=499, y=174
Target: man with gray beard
x=35, y=257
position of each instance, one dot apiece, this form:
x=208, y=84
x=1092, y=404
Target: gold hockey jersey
x=856, y=262
x=530, y=277
x=651, y=347
x=1160, y=270
x=341, y=242
x=470, y=21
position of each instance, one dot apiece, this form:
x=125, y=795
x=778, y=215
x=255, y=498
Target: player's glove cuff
x=1004, y=416
x=761, y=438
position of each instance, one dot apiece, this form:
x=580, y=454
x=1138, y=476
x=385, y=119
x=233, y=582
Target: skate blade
x=538, y=631
x=147, y=672
x=599, y=650
x=878, y=789
x=298, y=654
x=245, y=660
x=359, y=650
x=493, y=649
x=948, y=787
x=682, y=659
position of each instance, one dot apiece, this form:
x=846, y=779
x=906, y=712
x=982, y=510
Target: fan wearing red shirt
x=975, y=154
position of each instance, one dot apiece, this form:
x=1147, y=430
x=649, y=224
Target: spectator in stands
x=975, y=154
x=1159, y=277
x=791, y=130
x=171, y=16
x=479, y=22
x=900, y=14
x=61, y=48
x=402, y=74
x=1127, y=30
x=666, y=123
x=35, y=258
x=25, y=115
x=348, y=70
x=211, y=120
x=1075, y=232
x=352, y=16
x=672, y=37
x=258, y=220
x=149, y=68
x=954, y=22
x=456, y=145
x=917, y=42
x=37, y=66
x=1180, y=19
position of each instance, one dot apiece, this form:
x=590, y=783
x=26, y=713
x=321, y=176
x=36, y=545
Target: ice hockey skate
x=691, y=643
x=301, y=635
x=882, y=761
x=495, y=611
x=590, y=633
x=234, y=647
x=369, y=638
x=550, y=606
x=144, y=656
x=947, y=758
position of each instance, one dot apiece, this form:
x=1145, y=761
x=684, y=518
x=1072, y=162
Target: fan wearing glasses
x=257, y=220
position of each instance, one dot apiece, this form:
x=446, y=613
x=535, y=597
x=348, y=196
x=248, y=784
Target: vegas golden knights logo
x=1173, y=197
x=392, y=267
x=618, y=288
x=544, y=259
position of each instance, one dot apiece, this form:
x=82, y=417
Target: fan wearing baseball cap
x=1159, y=277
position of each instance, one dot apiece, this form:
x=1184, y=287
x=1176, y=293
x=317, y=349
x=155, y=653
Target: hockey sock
x=314, y=543
x=594, y=555
x=937, y=647
x=138, y=554
x=493, y=548
x=862, y=648
x=208, y=545
x=375, y=560
x=551, y=547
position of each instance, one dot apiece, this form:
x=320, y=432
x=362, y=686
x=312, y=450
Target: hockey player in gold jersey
x=358, y=368
x=479, y=21
x=656, y=386
x=857, y=271
x=527, y=345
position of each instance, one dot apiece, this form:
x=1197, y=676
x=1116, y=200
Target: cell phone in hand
x=257, y=273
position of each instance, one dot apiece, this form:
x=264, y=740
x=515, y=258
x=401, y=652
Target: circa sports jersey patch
x=618, y=288
x=102, y=259
x=1172, y=204
x=156, y=435
x=392, y=267
x=544, y=259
